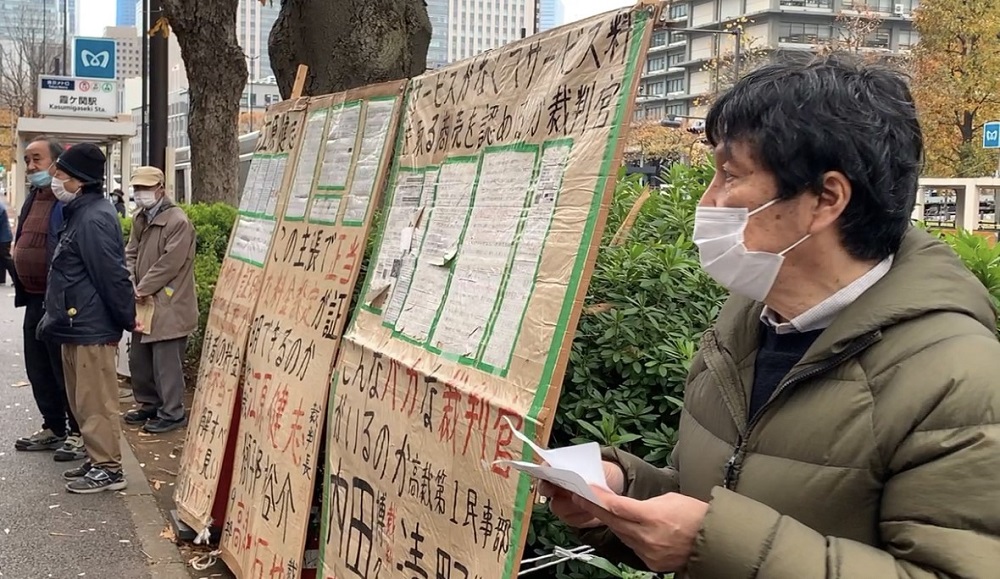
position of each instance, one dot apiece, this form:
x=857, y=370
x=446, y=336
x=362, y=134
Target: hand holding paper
x=574, y=468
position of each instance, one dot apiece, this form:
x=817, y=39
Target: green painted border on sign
x=390, y=194
x=317, y=163
x=458, y=159
x=488, y=368
x=521, y=503
x=381, y=155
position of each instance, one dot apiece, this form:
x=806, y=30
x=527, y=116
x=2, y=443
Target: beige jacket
x=160, y=259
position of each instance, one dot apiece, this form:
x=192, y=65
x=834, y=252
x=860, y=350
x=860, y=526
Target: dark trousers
x=43, y=362
x=6, y=263
x=158, y=376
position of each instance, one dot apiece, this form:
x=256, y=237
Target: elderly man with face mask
x=160, y=258
x=88, y=304
x=842, y=417
x=35, y=241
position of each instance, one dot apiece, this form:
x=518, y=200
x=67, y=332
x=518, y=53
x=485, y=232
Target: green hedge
x=213, y=224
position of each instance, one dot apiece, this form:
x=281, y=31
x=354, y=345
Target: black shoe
x=139, y=417
x=44, y=439
x=98, y=480
x=160, y=425
x=78, y=472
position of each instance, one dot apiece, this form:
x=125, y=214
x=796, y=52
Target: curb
x=165, y=560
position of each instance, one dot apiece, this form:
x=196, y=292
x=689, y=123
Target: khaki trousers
x=92, y=389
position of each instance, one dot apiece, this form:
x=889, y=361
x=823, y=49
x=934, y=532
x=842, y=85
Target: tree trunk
x=217, y=72
x=348, y=43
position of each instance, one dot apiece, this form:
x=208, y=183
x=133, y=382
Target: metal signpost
x=991, y=139
x=94, y=58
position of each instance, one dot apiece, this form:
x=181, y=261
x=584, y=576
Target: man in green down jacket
x=842, y=418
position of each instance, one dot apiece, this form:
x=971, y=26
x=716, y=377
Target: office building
x=550, y=14
x=253, y=27
x=125, y=13
x=128, y=51
x=465, y=28
x=32, y=21
x=675, y=81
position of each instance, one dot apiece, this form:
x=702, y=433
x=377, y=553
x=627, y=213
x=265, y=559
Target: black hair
x=802, y=119
x=55, y=147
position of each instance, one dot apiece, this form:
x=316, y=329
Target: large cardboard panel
x=501, y=181
x=333, y=189
x=233, y=304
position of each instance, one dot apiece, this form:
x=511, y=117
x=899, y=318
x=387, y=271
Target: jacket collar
x=926, y=277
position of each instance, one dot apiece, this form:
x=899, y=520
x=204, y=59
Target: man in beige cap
x=160, y=259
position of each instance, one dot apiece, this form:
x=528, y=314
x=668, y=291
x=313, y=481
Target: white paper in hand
x=574, y=468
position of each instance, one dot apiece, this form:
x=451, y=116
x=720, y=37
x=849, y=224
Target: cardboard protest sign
x=340, y=169
x=499, y=192
x=233, y=304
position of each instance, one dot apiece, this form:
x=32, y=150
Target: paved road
x=45, y=531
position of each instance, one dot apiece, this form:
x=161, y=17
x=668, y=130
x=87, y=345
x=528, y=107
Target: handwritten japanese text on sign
x=233, y=304
x=338, y=169
x=497, y=200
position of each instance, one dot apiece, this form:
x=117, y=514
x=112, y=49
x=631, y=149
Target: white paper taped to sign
x=574, y=468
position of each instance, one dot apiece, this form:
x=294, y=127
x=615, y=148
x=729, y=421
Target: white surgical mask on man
x=145, y=198
x=59, y=190
x=718, y=233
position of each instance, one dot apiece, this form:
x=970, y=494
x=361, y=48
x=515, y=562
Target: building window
x=675, y=58
x=678, y=11
x=882, y=6
x=659, y=39
x=878, y=39
x=676, y=110
x=800, y=33
x=819, y=4
x=675, y=37
x=908, y=39
x=654, y=89
x=675, y=85
x=655, y=64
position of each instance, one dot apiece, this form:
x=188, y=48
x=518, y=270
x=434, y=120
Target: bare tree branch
x=31, y=51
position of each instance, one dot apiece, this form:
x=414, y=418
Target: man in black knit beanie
x=88, y=304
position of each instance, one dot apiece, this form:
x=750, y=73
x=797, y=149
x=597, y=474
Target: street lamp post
x=250, y=71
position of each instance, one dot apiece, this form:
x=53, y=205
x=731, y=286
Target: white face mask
x=718, y=233
x=59, y=190
x=145, y=198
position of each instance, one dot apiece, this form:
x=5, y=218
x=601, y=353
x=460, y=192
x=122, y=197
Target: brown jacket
x=877, y=457
x=160, y=259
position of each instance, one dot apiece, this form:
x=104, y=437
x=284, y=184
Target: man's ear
x=832, y=197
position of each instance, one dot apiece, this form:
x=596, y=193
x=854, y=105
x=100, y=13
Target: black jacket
x=55, y=224
x=89, y=299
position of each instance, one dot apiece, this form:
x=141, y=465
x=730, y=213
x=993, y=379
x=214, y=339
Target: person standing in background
x=160, y=259
x=34, y=243
x=118, y=200
x=6, y=239
x=89, y=303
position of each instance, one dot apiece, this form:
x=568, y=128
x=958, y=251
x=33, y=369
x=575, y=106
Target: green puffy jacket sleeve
x=642, y=481
x=940, y=505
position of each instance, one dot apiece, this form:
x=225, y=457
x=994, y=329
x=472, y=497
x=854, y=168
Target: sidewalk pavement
x=47, y=532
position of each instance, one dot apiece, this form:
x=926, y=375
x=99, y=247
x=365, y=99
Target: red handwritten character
x=312, y=296
x=296, y=435
x=390, y=381
x=504, y=437
x=449, y=416
x=478, y=418
x=352, y=258
x=265, y=385
x=277, y=413
x=277, y=569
